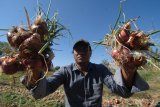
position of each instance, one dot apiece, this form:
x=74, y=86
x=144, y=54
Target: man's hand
x=130, y=67
x=36, y=64
x=35, y=69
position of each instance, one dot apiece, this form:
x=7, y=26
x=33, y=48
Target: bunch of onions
x=127, y=44
x=130, y=45
x=125, y=55
x=27, y=43
x=32, y=44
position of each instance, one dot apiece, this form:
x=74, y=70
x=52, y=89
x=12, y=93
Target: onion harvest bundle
x=31, y=48
x=129, y=45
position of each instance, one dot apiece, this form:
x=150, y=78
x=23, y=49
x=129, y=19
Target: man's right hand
x=35, y=69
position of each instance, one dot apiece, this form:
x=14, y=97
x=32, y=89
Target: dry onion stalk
x=128, y=44
x=32, y=44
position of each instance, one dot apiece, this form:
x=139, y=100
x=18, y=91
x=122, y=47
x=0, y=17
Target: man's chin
x=82, y=62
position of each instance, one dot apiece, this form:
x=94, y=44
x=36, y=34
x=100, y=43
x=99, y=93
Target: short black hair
x=80, y=42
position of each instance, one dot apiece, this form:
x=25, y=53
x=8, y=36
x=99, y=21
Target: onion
x=124, y=33
x=10, y=65
x=10, y=38
x=40, y=28
x=33, y=43
x=122, y=55
x=126, y=52
x=17, y=37
x=140, y=61
x=23, y=36
x=30, y=47
x=115, y=53
x=123, y=36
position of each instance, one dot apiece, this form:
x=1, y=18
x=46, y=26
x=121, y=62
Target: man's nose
x=81, y=52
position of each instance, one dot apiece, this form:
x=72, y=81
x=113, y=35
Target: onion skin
x=124, y=33
x=16, y=37
x=122, y=55
x=11, y=34
x=115, y=53
x=32, y=43
x=23, y=36
x=10, y=65
x=127, y=53
x=41, y=28
x=123, y=36
x=10, y=37
x=138, y=41
x=29, y=47
x=140, y=61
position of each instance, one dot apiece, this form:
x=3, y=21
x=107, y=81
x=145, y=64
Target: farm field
x=14, y=94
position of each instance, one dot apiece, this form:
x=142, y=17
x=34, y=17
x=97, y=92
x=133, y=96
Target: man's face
x=82, y=54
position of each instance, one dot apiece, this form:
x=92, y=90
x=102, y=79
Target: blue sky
x=87, y=19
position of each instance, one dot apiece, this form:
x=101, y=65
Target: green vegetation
x=11, y=99
x=4, y=46
x=14, y=94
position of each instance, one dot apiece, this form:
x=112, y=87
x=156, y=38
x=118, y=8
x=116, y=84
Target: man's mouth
x=81, y=57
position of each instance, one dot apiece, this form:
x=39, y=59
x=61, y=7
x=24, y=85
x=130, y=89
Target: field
x=14, y=94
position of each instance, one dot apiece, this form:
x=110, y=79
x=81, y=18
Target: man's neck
x=82, y=67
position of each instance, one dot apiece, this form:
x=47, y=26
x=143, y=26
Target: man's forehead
x=81, y=45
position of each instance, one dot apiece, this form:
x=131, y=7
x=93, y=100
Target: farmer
x=83, y=81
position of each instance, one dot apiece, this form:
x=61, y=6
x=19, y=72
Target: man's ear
x=90, y=53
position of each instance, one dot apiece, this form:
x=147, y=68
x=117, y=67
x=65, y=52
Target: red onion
x=124, y=33
x=115, y=53
x=40, y=28
x=10, y=65
x=123, y=36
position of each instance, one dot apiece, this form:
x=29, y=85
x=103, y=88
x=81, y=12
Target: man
x=83, y=81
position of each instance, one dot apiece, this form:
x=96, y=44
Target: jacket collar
x=90, y=67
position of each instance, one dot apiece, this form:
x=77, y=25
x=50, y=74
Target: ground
x=14, y=94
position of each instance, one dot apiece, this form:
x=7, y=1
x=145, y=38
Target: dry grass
x=12, y=90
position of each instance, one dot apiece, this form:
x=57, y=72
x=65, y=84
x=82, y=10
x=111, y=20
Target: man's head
x=82, y=51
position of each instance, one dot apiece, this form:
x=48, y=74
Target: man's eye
x=82, y=49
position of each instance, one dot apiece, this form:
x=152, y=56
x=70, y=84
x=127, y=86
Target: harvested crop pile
x=31, y=47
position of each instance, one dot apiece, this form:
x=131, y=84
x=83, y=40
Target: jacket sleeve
x=46, y=85
x=139, y=83
x=116, y=84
